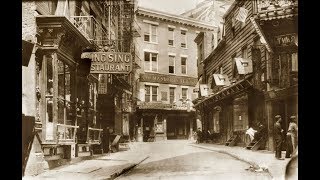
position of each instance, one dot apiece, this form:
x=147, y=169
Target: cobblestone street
x=177, y=160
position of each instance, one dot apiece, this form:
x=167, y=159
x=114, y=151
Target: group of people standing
x=291, y=137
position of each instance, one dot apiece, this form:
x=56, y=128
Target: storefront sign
x=109, y=62
x=153, y=105
x=168, y=79
x=286, y=40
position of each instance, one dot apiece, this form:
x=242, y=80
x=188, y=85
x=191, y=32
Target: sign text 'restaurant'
x=109, y=62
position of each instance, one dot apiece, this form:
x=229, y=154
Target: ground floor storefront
x=227, y=115
x=158, y=125
x=283, y=102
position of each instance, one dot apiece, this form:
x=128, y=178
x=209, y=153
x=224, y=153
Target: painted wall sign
x=286, y=40
x=168, y=79
x=109, y=62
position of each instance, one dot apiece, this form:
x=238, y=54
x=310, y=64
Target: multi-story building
x=210, y=11
x=278, y=22
x=240, y=73
x=168, y=74
x=65, y=108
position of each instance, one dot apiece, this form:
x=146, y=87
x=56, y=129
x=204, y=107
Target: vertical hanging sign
x=103, y=84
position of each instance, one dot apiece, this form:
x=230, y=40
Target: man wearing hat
x=293, y=132
x=278, y=136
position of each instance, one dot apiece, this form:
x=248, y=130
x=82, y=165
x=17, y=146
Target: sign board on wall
x=109, y=62
x=168, y=79
x=286, y=40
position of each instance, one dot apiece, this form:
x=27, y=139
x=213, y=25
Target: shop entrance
x=177, y=127
x=148, y=127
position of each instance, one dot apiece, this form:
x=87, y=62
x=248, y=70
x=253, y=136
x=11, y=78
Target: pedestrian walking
x=278, y=136
x=289, y=146
x=199, y=134
x=293, y=133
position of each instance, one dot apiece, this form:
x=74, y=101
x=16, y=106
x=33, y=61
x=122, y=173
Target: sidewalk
x=259, y=158
x=107, y=166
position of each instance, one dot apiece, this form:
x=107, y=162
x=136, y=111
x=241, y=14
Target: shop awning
x=261, y=34
x=244, y=66
x=227, y=92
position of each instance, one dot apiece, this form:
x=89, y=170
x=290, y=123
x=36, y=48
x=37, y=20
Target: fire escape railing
x=90, y=28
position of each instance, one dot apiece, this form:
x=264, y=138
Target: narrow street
x=176, y=159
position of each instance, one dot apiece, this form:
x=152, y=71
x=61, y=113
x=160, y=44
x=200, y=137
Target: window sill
x=171, y=46
x=157, y=72
x=184, y=75
x=184, y=48
x=156, y=43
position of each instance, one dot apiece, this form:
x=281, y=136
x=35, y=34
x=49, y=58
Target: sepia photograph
x=160, y=89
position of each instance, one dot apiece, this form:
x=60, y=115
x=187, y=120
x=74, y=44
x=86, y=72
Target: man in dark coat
x=278, y=136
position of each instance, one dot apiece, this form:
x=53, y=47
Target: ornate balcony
x=276, y=9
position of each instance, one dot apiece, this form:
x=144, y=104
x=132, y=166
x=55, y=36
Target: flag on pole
x=242, y=15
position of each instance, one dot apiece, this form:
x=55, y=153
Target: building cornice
x=174, y=18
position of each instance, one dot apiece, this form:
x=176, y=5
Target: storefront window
x=49, y=90
x=65, y=103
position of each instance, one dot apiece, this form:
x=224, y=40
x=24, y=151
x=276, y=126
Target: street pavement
x=176, y=159
x=173, y=159
x=104, y=167
x=261, y=158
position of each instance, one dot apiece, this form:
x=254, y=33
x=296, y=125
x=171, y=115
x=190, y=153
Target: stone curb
x=234, y=156
x=126, y=169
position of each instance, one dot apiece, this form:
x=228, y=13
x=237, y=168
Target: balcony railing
x=94, y=135
x=66, y=133
x=90, y=28
x=276, y=8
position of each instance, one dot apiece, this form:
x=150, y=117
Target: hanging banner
x=242, y=15
x=109, y=62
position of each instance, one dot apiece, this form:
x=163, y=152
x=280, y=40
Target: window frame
x=150, y=68
x=69, y=116
x=174, y=63
x=151, y=95
x=244, y=52
x=184, y=38
x=184, y=88
x=186, y=69
x=170, y=27
x=150, y=34
x=172, y=97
